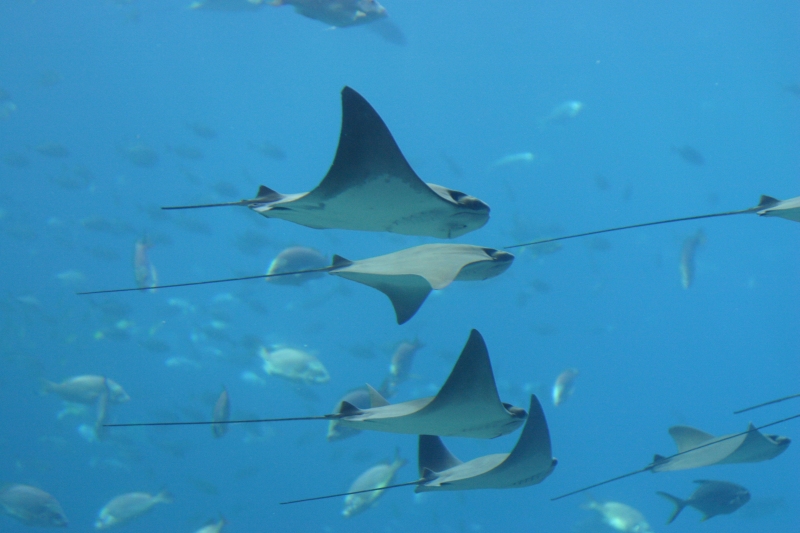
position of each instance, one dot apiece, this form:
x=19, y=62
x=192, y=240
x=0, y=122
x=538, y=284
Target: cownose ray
x=407, y=277
x=371, y=187
x=771, y=402
x=467, y=405
x=702, y=449
x=529, y=463
x=767, y=207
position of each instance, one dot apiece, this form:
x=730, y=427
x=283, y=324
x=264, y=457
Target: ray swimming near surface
x=529, y=463
x=370, y=187
x=467, y=405
x=767, y=207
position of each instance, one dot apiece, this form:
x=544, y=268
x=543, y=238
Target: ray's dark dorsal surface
x=697, y=448
x=767, y=207
x=529, y=463
x=407, y=277
x=371, y=187
x=467, y=405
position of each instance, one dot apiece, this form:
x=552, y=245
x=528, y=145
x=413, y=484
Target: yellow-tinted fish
x=376, y=477
x=564, y=386
x=127, y=507
x=222, y=413
x=620, y=516
x=87, y=389
x=690, y=246
x=31, y=506
x=295, y=365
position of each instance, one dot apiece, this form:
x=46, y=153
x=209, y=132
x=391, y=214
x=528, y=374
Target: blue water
x=470, y=86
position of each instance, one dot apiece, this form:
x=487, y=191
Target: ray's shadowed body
x=467, y=405
x=371, y=187
x=698, y=448
x=529, y=463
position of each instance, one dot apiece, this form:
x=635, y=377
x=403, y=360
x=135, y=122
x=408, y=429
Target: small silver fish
x=295, y=365
x=376, y=477
x=222, y=413
x=128, y=506
x=32, y=506
x=687, y=266
x=212, y=527
x=564, y=386
x=86, y=389
x=620, y=516
x=143, y=270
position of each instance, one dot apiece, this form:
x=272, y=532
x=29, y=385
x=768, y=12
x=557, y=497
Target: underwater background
x=113, y=109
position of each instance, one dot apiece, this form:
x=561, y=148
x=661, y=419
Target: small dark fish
x=269, y=150
x=339, y=13
x=222, y=413
x=54, y=150
x=690, y=155
x=203, y=131
x=15, y=160
x=140, y=154
x=711, y=498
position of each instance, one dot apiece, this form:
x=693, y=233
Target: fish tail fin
x=679, y=505
x=164, y=496
x=46, y=386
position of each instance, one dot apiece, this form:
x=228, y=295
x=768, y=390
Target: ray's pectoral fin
x=407, y=292
x=687, y=438
x=472, y=380
x=434, y=457
x=533, y=453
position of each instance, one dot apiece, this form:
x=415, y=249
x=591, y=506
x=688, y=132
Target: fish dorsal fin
x=434, y=456
x=366, y=151
x=340, y=262
x=348, y=409
x=471, y=382
x=375, y=398
x=687, y=438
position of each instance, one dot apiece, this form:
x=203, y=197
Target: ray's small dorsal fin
x=340, y=262
x=767, y=201
x=265, y=193
x=434, y=456
x=375, y=398
x=348, y=409
x=687, y=438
